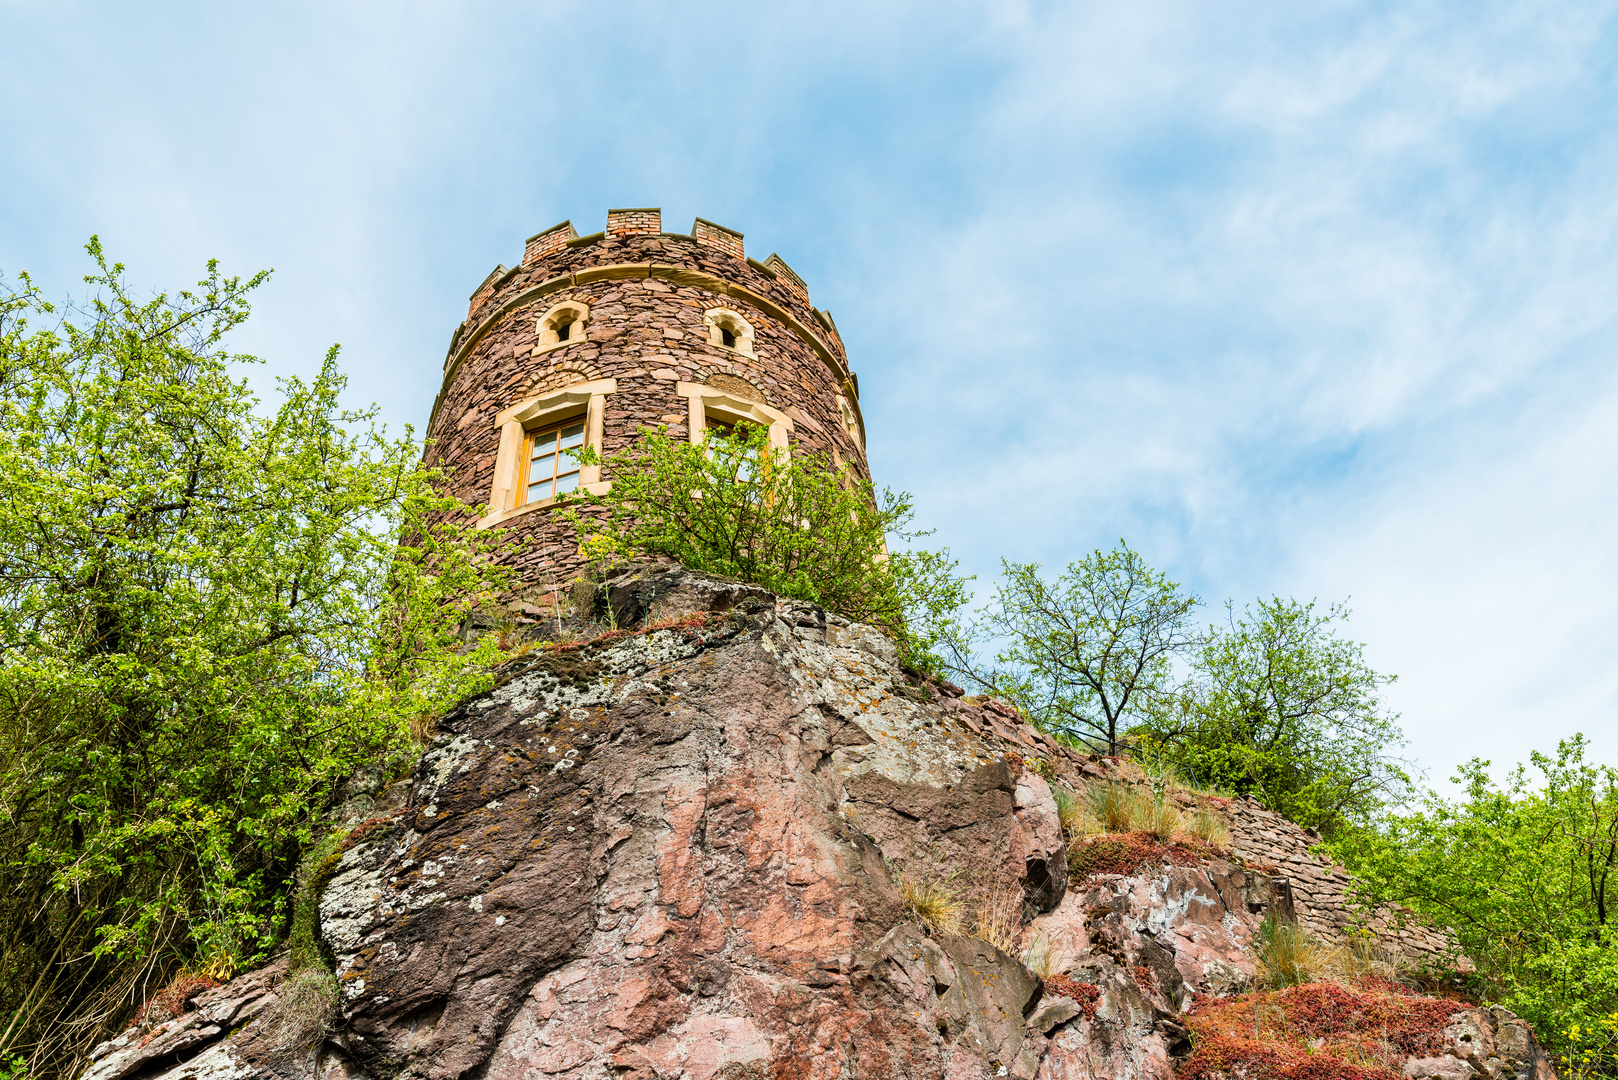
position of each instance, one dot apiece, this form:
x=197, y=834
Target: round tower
x=591, y=338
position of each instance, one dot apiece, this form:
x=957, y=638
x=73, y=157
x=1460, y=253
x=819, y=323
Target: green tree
x=206, y=625
x=793, y=523
x=1090, y=653
x=1524, y=874
x=1280, y=707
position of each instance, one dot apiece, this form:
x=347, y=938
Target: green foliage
x=1089, y=653
x=738, y=507
x=1280, y=707
x=1592, y=1049
x=1524, y=874
x=206, y=625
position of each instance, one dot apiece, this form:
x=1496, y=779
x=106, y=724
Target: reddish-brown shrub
x=1130, y=853
x=173, y=998
x=1086, y=995
x=1318, y=1031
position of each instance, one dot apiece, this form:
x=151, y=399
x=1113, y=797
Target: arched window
x=562, y=325
x=728, y=330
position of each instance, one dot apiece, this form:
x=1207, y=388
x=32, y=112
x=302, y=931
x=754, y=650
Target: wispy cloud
x=1309, y=300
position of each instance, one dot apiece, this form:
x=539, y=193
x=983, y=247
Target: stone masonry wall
x=647, y=292
x=1321, y=890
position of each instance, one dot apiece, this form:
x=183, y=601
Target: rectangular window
x=552, y=466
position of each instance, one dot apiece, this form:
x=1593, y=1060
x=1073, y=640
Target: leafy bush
x=1524, y=875
x=1083, y=655
x=206, y=625
x=1280, y=707
x=738, y=507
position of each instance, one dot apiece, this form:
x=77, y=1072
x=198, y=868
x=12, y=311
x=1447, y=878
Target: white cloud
x=1302, y=300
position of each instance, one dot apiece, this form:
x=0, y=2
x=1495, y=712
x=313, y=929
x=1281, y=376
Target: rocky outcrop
x=674, y=853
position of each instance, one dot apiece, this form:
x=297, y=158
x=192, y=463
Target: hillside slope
x=693, y=852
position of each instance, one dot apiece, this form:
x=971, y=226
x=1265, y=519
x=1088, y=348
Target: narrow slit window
x=553, y=464
x=727, y=337
x=563, y=331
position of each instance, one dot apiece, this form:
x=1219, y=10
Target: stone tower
x=591, y=338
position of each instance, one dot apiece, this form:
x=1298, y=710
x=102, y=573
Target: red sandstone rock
x=668, y=856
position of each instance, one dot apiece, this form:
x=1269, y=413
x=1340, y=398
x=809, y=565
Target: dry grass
x=1288, y=955
x=997, y=915
x=1207, y=827
x=1125, y=808
x=1074, y=813
x=307, y=1002
x=931, y=899
x=1044, y=957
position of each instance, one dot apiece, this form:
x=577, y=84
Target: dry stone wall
x=1321, y=894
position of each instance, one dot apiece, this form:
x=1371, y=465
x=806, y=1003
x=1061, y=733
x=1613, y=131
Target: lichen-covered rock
x=672, y=854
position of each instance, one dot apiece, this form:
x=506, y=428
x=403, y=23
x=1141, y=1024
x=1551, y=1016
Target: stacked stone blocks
x=648, y=294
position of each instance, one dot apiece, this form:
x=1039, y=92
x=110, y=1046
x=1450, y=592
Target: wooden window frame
x=554, y=429
x=517, y=426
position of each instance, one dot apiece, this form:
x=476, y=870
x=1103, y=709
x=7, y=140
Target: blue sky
x=1318, y=300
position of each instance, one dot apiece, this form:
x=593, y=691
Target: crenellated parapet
x=589, y=339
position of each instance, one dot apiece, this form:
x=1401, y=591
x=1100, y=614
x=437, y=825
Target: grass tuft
x=306, y=1003
x=1126, y=808
x=997, y=915
x=1207, y=827
x=1288, y=955
x=931, y=900
x=1044, y=957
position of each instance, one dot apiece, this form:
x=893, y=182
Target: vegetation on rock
x=207, y=624
x=1524, y=874
x=794, y=524
x=1317, y=1031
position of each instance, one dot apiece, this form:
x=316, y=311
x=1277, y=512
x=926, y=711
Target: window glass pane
x=542, y=468
x=544, y=443
x=568, y=482
x=572, y=435
x=541, y=490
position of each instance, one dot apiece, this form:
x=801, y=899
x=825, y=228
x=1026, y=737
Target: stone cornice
x=464, y=343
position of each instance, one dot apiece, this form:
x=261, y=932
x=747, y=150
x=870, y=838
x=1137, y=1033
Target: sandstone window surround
x=562, y=325
x=587, y=399
x=728, y=330
x=850, y=422
x=705, y=404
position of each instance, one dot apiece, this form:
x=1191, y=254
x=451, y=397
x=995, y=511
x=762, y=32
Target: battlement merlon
x=648, y=221
x=632, y=224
